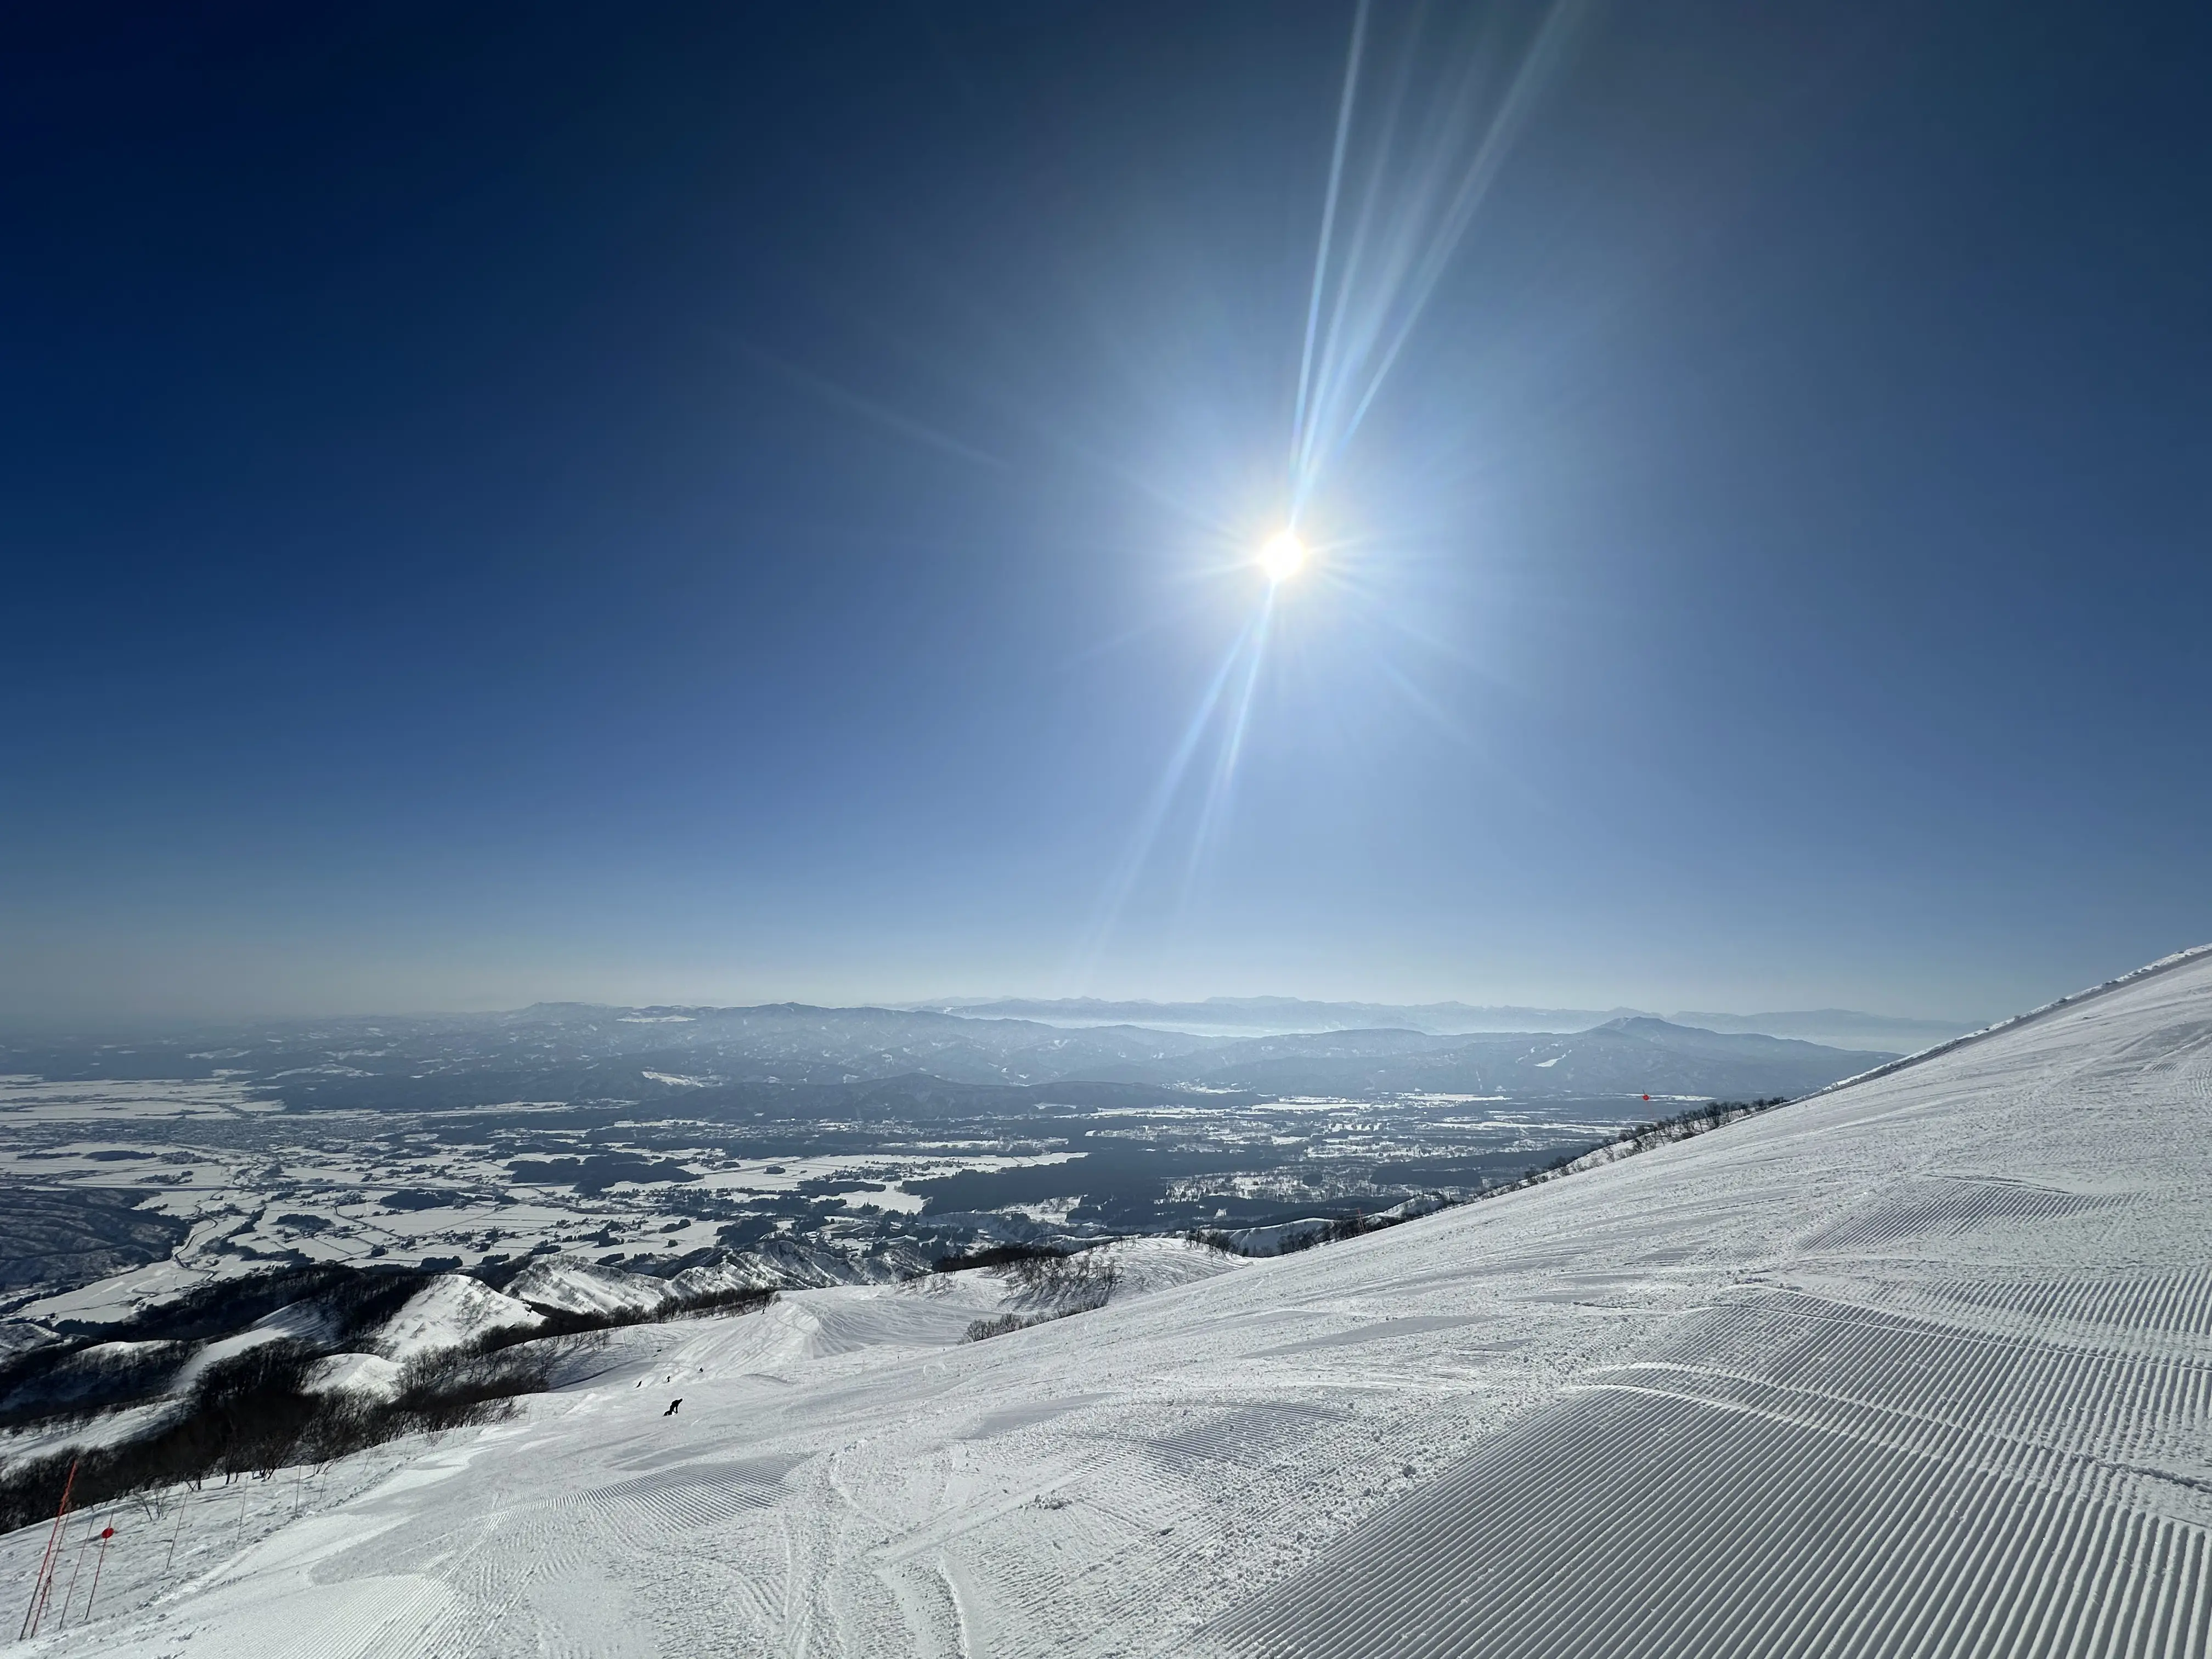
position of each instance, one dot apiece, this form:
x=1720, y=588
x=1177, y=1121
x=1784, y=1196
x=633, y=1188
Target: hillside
x=1919, y=1365
x=1631, y=1055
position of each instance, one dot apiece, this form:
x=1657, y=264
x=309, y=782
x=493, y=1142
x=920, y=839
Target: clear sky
x=732, y=502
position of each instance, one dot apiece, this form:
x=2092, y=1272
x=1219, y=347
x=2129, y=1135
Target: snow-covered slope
x=364, y=1375
x=563, y=1284
x=1922, y=1366
x=798, y=1264
x=451, y=1311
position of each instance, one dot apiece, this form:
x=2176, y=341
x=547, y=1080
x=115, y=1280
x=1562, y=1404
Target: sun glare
x=1282, y=555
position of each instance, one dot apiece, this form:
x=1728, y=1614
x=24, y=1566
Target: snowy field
x=1921, y=1365
x=211, y=1182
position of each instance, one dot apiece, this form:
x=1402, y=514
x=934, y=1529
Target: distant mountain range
x=1634, y=1054
x=580, y=1051
x=1841, y=1028
x=790, y=1043
x=1630, y=1055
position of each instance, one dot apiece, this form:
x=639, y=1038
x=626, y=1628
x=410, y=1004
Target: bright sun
x=1282, y=555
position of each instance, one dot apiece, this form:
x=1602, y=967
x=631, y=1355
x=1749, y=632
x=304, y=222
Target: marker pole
x=91, y=1594
x=75, y=1567
x=45, y=1585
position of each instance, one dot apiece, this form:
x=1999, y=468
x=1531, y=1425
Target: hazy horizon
x=398, y=990
x=126, y=1020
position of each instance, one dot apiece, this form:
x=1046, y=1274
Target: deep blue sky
x=728, y=502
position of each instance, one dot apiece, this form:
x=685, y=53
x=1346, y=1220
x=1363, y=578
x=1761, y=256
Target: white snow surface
x=1921, y=1366
x=780, y=1263
x=1272, y=1241
x=364, y=1375
x=565, y=1284
x=450, y=1312
x=296, y=1322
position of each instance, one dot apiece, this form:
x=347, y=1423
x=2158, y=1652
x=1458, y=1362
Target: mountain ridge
x=1831, y=1027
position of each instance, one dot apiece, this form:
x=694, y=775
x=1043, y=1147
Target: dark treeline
x=1048, y=1284
x=1641, y=1137
x=255, y=1413
x=997, y=1255
x=1661, y=1132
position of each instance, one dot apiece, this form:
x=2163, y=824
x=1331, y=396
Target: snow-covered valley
x=1921, y=1364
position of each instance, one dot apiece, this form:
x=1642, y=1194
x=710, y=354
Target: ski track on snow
x=1921, y=1365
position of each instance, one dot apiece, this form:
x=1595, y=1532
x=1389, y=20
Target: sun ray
x=1410, y=222
x=1328, y=224
x=1107, y=916
x=1232, y=747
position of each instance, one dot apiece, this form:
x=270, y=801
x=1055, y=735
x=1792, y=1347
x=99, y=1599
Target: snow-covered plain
x=1921, y=1365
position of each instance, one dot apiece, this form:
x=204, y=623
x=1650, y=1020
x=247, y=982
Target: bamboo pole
x=92, y=1594
x=44, y=1584
x=75, y=1567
